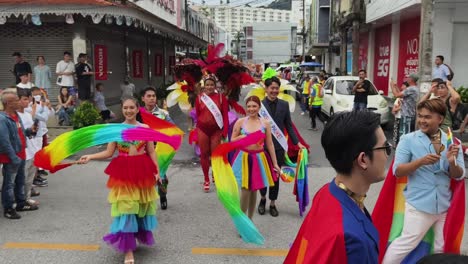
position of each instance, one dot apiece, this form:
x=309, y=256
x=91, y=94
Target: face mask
x=37, y=98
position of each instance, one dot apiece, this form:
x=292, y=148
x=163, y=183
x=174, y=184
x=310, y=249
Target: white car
x=339, y=97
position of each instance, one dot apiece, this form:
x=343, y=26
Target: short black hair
x=149, y=88
x=66, y=53
x=271, y=80
x=362, y=70
x=437, y=80
x=35, y=89
x=16, y=53
x=443, y=258
x=346, y=135
x=99, y=85
x=440, y=57
x=23, y=92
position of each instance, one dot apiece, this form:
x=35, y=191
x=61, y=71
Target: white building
x=233, y=19
x=391, y=49
x=297, y=13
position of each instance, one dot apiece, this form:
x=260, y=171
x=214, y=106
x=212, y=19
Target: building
x=268, y=43
x=299, y=16
x=319, y=35
x=137, y=40
x=390, y=50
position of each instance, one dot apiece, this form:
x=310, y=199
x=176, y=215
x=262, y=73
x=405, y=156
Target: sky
x=235, y=2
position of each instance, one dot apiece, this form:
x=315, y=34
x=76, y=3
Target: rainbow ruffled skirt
x=253, y=170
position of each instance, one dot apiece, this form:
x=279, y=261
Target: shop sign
x=382, y=57
x=408, y=60
x=137, y=64
x=100, y=62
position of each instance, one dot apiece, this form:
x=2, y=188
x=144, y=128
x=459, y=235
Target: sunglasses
x=387, y=147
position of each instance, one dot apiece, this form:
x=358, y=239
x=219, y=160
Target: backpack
x=450, y=77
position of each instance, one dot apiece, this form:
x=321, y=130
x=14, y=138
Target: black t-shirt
x=361, y=97
x=84, y=81
x=21, y=68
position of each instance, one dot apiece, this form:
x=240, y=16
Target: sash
x=275, y=130
x=213, y=109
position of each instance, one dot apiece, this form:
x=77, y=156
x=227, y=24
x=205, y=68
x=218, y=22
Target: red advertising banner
x=100, y=62
x=137, y=61
x=382, y=57
x=408, y=60
x=363, y=49
x=158, y=65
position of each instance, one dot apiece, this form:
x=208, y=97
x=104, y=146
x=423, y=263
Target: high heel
x=206, y=186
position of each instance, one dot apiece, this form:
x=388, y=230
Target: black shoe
x=38, y=177
x=34, y=192
x=27, y=207
x=11, y=214
x=273, y=211
x=42, y=172
x=163, y=201
x=39, y=183
x=261, y=206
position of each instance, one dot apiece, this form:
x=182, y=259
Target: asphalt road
x=74, y=215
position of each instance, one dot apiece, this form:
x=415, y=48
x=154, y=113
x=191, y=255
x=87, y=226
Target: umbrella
x=311, y=64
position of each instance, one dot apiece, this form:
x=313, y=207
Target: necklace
x=358, y=199
x=435, y=137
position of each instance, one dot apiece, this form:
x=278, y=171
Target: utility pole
x=356, y=28
x=425, y=45
x=303, y=31
x=343, y=50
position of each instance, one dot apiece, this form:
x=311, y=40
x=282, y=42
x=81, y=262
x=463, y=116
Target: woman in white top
x=396, y=111
x=65, y=70
x=42, y=74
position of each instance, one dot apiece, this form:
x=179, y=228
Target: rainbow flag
x=388, y=216
x=301, y=184
x=164, y=152
x=228, y=190
x=69, y=143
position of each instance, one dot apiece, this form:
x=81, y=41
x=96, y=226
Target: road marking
x=241, y=252
x=50, y=246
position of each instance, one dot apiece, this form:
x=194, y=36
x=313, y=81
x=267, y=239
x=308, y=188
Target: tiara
x=210, y=77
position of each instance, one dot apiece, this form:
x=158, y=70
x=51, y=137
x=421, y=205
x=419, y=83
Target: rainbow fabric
x=301, y=184
x=388, y=217
x=164, y=152
x=228, y=190
x=71, y=142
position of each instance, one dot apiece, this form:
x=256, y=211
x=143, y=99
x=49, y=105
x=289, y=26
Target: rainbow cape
x=71, y=142
x=228, y=190
x=388, y=216
x=164, y=152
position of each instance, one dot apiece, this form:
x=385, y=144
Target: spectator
x=408, y=104
x=396, y=111
x=42, y=74
x=12, y=156
x=24, y=81
x=257, y=75
x=21, y=66
x=33, y=143
x=361, y=91
x=440, y=70
x=83, y=74
x=455, y=110
x=127, y=88
x=315, y=103
x=41, y=110
x=100, y=102
x=305, y=93
x=65, y=70
x=65, y=107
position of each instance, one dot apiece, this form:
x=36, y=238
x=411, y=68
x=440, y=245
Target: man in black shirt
x=83, y=74
x=361, y=91
x=21, y=66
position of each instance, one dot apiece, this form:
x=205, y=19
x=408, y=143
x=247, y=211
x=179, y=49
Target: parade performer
x=148, y=96
x=254, y=169
x=212, y=125
x=132, y=177
x=426, y=196
x=338, y=228
x=276, y=111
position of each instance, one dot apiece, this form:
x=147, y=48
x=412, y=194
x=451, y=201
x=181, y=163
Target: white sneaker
x=303, y=113
x=32, y=202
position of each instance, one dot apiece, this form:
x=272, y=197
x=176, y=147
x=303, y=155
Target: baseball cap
x=414, y=76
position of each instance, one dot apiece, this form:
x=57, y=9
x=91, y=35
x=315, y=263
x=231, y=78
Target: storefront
x=408, y=59
x=382, y=42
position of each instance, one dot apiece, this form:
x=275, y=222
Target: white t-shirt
x=27, y=85
x=34, y=144
x=127, y=90
x=65, y=80
x=398, y=114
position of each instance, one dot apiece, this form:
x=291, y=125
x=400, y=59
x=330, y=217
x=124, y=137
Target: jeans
x=13, y=185
x=407, y=125
x=359, y=106
x=64, y=116
x=316, y=112
x=304, y=103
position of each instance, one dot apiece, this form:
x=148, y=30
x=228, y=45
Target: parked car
x=339, y=97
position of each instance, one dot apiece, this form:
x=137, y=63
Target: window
x=249, y=55
x=249, y=31
x=249, y=43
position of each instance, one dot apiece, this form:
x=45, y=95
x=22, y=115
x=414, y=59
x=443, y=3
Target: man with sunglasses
x=430, y=162
x=338, y=228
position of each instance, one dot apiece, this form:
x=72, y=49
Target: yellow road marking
x=241, y=252
x=49, y=246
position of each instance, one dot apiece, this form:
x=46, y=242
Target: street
x=74, y=215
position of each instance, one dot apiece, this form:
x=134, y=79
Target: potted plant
x=85, y=115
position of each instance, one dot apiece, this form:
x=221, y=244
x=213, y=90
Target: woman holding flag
x=430, y=160
x=212, y=113
x=254, y=169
